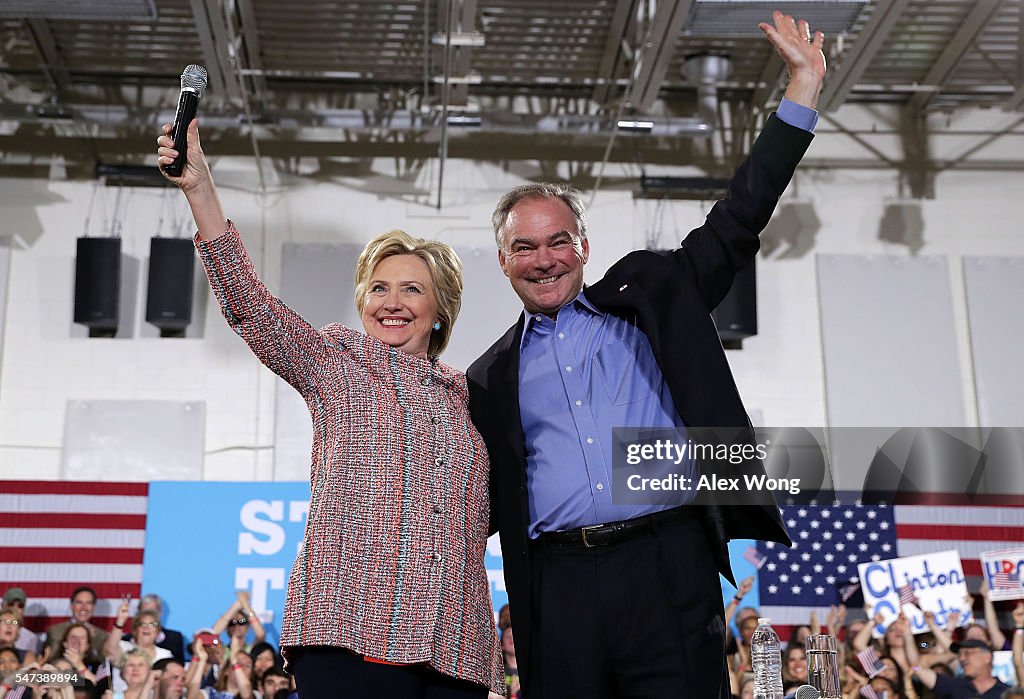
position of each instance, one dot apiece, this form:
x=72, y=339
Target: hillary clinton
x=388, y=595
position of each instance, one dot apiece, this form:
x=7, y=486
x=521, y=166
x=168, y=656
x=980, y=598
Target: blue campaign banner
x=741, y=568
x=206, y=540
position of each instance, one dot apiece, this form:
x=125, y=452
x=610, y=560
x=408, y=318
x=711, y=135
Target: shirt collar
x=582, y=301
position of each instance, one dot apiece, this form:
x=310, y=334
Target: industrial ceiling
x=574, y=80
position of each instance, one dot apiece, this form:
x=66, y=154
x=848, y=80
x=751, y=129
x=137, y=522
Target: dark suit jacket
x=174, y=642
x=669, y=297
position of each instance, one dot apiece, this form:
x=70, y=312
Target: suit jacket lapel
x=506, y=378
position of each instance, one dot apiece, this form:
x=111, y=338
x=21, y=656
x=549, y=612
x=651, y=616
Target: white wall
x=46, y=360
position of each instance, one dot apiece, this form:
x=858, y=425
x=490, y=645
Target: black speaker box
x=736, y=315
x=171, y=277
x=98, y=283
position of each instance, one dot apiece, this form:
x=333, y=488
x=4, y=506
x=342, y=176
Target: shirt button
x=436, y=420
x=568, y=368
x=600, y=486
x=437, y=509
x=561, y=336
x=590, y=440
x=579, y=402
x=438, y=461
x=425, y=382
x=437, y=558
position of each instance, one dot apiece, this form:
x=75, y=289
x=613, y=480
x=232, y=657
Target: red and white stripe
x=57, y=535
x=971, y=530
x=939, y=523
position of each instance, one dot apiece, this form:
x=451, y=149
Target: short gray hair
x=572, y=197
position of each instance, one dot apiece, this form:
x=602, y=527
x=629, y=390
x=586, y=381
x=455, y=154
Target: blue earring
x=437, y=325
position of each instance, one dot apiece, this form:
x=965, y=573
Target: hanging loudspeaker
x=98, y=282
x=171, y=276
x=736, y=315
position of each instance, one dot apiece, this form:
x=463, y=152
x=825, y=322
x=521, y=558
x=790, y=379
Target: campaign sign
x=1002, y=667
x=1004, y=573
x=932, y=582
x=206, y=540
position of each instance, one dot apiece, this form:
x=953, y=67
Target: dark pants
x=323, y=672
x=641, y=618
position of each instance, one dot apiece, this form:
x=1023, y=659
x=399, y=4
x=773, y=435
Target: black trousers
x=323, y=672
x=638, y=619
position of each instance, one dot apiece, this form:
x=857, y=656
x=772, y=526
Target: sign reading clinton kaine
x=1004, y=573
x=932, y=582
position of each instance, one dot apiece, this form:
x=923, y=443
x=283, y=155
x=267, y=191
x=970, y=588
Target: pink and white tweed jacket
x=392, y=565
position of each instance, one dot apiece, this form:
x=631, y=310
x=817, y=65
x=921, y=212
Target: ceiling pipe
x=707, y=72
x=359, y=120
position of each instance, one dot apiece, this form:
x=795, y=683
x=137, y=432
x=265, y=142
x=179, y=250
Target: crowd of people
x=138, y=658
x=954, y=661
x=414, y=464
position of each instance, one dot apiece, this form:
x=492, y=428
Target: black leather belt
x=615, y=532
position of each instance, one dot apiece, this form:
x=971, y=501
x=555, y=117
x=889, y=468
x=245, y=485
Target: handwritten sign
x=1004, y=572
x=932, y=582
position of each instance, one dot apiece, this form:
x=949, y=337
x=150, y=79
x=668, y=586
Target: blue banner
x=205, y=541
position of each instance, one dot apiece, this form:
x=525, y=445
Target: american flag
x=870, y=661
x=831, y=539
x=1006, y=581
x=103, y=671
x=868, y=692
x=755, y=557
x=848, y=591
x=57, y=535
x=907, y=595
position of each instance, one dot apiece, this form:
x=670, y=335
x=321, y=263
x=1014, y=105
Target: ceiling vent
x=96, y=10
x=740, y=17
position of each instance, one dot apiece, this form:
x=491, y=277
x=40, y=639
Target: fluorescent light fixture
x=635, y=125
x=464, y=120
x=469, y=79
x=458, y=39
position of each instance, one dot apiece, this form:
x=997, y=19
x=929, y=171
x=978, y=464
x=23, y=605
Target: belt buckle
x=583, y=532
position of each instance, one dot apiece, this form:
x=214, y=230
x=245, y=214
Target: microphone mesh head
x=807, y=692
x=194, y=78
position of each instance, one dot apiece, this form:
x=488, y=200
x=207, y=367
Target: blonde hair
x=445, y=273
x=135, y=653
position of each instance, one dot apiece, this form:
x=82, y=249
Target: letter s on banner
x=248, y=543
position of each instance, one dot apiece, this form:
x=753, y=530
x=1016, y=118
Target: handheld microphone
x=193, y=82
x=804, y=691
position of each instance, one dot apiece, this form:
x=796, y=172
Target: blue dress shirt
x=580, y=376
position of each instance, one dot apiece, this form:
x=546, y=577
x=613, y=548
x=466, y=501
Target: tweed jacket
x=392, y=563
x=669, y=298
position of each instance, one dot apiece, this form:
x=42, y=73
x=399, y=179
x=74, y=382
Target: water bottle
x=766, y=661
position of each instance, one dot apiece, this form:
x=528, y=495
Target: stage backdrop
x=206, y=540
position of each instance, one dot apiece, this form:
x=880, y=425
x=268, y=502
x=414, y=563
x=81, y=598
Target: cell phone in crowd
x=209, y=639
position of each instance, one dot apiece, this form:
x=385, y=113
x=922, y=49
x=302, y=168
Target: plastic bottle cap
x=763, y=620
